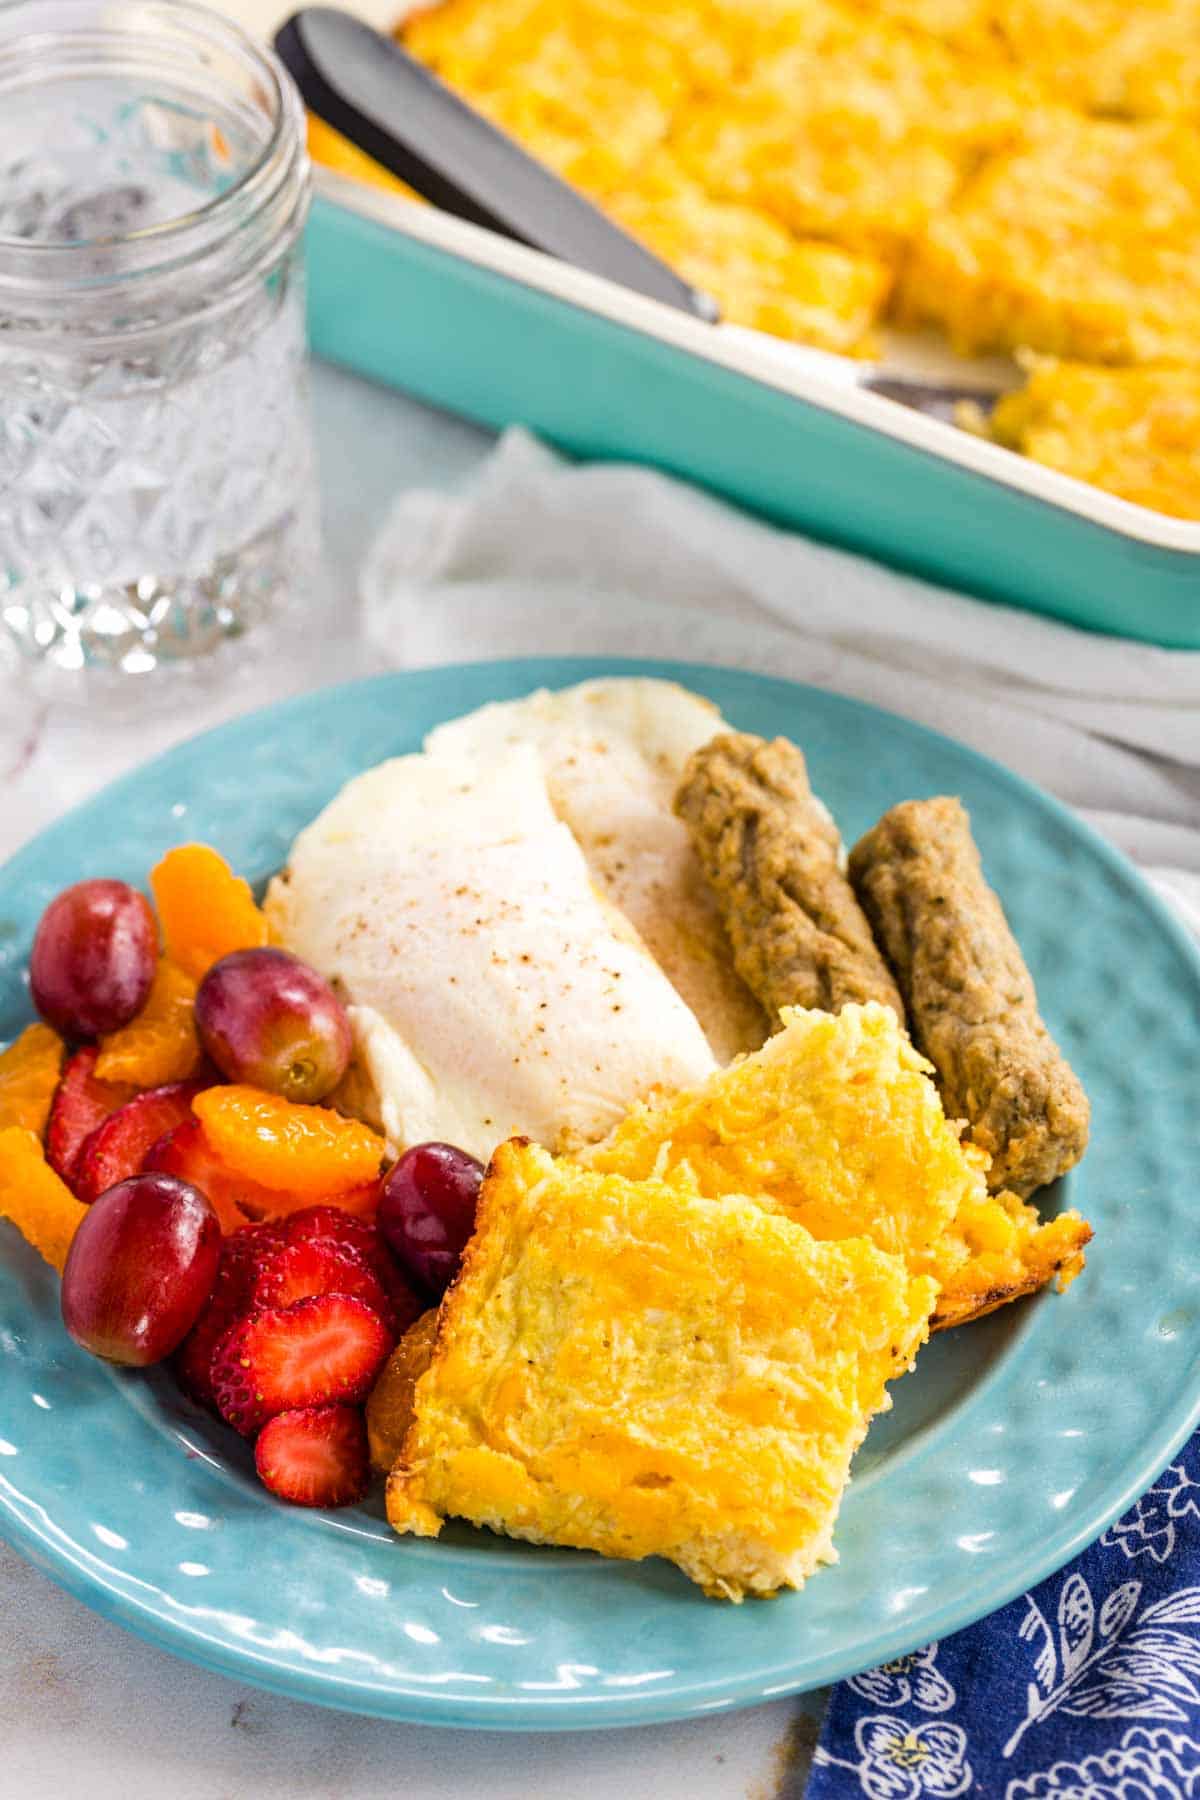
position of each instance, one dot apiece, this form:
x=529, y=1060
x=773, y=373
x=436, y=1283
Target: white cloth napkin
x=541, y=556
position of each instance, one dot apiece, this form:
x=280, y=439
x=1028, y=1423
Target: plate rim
x=579, y=1710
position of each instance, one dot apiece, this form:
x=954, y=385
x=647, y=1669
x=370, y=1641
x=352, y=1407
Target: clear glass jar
x=156, y=474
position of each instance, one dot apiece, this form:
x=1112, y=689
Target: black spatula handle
x=399, y=113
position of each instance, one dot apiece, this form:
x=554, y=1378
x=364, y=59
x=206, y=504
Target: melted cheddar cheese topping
x=624, y=1366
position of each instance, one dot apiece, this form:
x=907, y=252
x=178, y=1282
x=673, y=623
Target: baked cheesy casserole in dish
x=1021, y=176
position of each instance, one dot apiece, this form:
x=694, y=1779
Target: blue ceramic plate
x=1015, y=1442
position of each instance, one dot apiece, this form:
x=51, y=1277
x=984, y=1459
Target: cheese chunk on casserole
x=1018, y=173
x=1135, y=432
x=856, y=131
x=1105, y=57
x=1082, y=241
x=625, y=1367
x=762, y=274
x=837, y=1122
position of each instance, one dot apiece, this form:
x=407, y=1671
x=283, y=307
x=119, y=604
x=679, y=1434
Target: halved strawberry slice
x=319, y=1266
x=192, y=1361
x=119, y=1147
x=185, y=1152
x=363, y=1236
x=314, y=1456
x=329, y=1221
x=243, y=1254
x=81, y=1102
x=252, y=1244
x=312, y=1353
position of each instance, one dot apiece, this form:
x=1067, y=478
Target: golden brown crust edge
x=406, y=1509
x=960, y=1302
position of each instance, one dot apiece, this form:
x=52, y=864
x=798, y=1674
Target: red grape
x=93, y=958
x=140, y=1268
x=427, y=1211
x=266, y=1018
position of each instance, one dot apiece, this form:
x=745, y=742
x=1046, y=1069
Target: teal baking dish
x=471, y=321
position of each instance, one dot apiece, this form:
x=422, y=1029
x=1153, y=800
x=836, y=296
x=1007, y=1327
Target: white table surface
x=84, y=1707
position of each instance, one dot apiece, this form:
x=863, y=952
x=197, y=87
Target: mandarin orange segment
x=205, y=910
x=160, y=1045
x=297, y=1150
x=29, y=1071
x=39, y=1203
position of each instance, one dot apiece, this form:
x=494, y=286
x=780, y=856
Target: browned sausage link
x=771, y=854
x=971, y=1001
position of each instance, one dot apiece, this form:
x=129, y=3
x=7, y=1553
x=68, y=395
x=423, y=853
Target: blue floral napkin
x=1088, y=1688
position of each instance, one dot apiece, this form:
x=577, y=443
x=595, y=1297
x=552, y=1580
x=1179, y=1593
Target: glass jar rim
x=249, y=193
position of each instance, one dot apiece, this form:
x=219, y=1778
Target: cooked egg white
x=613, y=752
x=493, y=991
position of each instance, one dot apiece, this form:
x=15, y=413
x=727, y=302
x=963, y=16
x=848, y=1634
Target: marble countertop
x=85, y=1706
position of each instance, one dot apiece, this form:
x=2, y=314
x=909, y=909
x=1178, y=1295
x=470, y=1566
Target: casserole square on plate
x=626, y=1367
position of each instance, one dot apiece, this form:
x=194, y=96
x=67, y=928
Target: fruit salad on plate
x=170, y=1142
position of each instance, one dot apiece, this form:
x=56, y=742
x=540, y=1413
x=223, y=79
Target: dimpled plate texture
x=1015, y=1442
